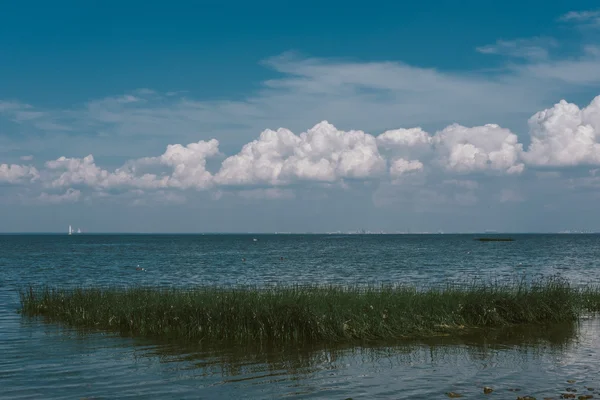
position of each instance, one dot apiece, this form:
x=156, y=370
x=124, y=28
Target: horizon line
x=300, y=233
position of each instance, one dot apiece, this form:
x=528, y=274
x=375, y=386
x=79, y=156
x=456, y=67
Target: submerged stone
x=487, y=390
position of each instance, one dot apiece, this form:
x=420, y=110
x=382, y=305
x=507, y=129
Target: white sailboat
x=78, y=230
x=70, y=230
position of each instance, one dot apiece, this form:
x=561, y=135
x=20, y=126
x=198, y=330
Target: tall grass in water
x=309, y=314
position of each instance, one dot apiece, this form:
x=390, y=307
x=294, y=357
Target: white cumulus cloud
x=480, y=148
x=401, y=138
x=188, y=165
x=14, y=173
x=401, y=166
x=85, y=172
x=565, y=135
x=321, y=154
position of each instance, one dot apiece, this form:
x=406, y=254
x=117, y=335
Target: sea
x=41, y=360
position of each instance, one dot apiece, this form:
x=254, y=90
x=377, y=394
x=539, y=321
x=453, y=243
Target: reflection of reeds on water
x=311, y=315
x=518, y=346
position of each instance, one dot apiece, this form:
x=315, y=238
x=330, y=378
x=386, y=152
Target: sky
x=276, y=116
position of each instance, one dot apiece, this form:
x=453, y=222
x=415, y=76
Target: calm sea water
x=40, y=360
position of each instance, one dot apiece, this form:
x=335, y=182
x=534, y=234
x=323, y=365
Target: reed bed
x=310, y=314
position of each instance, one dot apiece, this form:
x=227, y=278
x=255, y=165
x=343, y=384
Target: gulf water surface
x=44, y=360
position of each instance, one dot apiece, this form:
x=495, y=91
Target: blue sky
x=121, y=82
x=94, y=49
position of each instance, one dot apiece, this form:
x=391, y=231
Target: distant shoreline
x=492, y=234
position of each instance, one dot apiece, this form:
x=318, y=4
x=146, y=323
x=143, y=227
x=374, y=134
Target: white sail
x=78, y=230
x=70, y=230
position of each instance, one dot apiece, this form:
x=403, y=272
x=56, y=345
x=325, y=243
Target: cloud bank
x=561, y=136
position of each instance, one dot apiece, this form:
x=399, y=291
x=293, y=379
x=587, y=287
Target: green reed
x=310, y=314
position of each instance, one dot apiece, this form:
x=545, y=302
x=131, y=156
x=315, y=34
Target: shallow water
x=40, y=360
